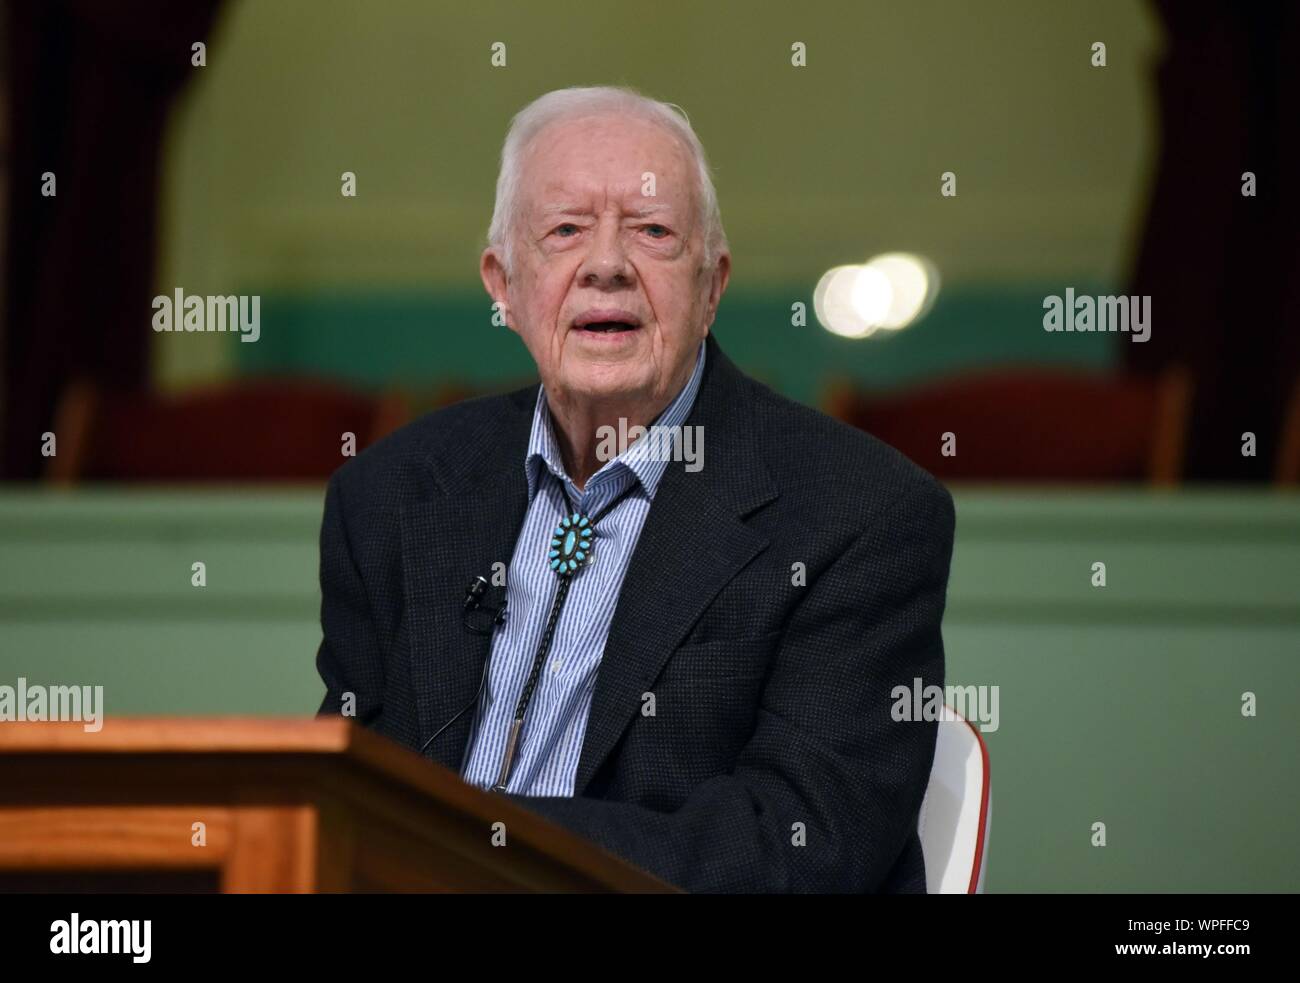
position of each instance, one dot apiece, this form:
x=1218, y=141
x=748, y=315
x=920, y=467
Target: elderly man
x=697, y=660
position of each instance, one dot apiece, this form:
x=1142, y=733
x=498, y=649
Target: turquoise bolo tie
x=570, y=544
x=568, y=553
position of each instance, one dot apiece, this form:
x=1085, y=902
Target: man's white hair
x=602, y=100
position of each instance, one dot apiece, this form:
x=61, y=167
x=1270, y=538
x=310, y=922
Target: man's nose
x=606, y=261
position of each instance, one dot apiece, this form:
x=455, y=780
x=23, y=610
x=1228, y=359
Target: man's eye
x=651, y=229
x=566, y=225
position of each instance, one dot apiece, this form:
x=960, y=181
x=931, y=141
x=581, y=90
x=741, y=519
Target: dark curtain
x=89, y=88
x=1223, y=270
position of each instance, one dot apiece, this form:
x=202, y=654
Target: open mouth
x=610, y=321
x=607, y=327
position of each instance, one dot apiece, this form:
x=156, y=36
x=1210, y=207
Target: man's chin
x=610, y=390
x=609, y=382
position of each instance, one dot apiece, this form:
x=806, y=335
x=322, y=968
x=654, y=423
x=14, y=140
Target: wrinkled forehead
x=587, y=163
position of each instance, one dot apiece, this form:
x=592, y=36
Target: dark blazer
x=772, y=761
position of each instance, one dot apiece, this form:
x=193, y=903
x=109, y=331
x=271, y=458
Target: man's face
x=589, y=245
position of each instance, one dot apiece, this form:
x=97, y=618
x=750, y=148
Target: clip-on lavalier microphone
x=474, y=606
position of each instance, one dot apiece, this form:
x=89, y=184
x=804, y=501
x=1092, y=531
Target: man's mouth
x=606, y=322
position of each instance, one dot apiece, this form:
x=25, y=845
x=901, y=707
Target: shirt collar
x=639, y=459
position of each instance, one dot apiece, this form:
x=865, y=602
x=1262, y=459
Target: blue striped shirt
x=546, y=760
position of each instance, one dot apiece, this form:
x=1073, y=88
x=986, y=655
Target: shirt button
x=555, y=665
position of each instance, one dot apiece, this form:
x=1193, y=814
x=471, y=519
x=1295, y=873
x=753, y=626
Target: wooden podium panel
x=285, y=805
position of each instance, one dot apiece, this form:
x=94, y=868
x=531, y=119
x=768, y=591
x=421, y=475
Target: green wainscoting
x=1118, y=704
x=372, y=339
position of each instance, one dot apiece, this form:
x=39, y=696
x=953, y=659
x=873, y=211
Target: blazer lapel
x=692, y=544
x=456, y=535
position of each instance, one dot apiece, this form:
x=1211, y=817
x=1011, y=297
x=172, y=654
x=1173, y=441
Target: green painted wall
x=1119, y=705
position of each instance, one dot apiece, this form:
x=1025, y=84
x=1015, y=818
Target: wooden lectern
x=285, y=805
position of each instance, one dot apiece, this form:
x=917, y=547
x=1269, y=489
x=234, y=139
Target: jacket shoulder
x=398, y=464
x=840, y=469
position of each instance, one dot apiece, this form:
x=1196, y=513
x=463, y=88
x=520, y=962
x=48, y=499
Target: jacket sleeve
x=826, y=794
x=349, y=659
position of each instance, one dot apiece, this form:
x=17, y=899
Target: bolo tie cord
x=570, y=551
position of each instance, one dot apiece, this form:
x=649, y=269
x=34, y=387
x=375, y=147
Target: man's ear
x=721, y=275
x=495, y=280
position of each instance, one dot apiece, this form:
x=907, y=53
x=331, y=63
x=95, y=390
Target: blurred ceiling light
x=833, y=303
x=888, y=292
